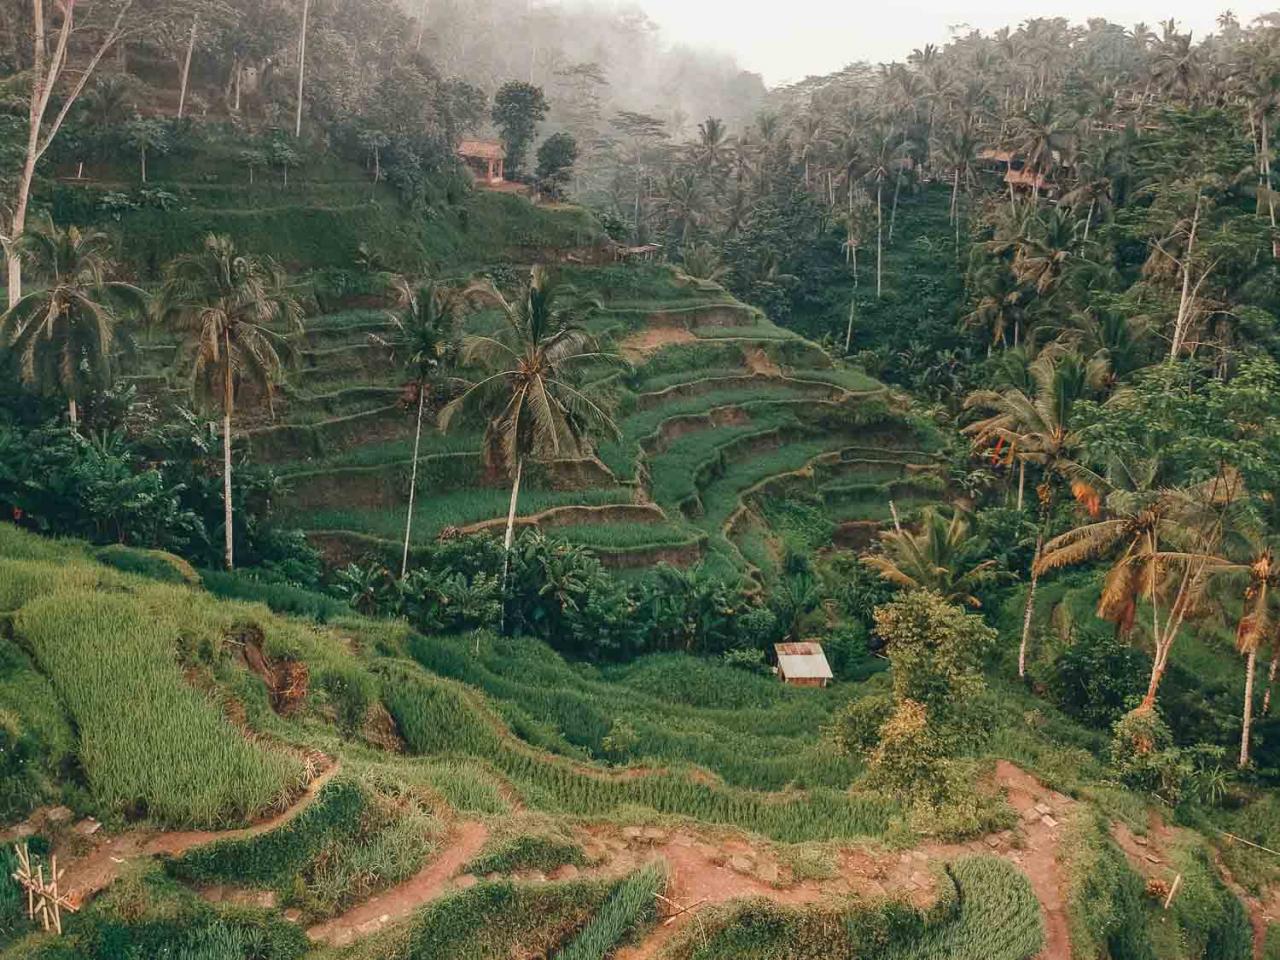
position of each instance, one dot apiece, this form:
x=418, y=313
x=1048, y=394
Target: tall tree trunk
x=73, y=413
x=1247, y=727
x=413, y=482
x=1271, y=679
x=1022, y=481
x=893, y=215
x=1088, y=221
x=848, y=333
x=422, y=26
x=144, y=164
x=1271, y=200
x=1031, y=602
x=302, y=65
x=186, y=67
x=228, y=399
x=879, y=235
x=1183, y=319
x=508, y=540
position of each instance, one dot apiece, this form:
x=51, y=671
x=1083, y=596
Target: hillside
x=394, y=756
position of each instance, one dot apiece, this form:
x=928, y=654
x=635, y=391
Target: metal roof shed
x=802, y=664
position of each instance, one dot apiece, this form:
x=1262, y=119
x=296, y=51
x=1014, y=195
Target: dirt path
x=85, y=876
x=703, y=874
x=400, y=901
x=642, y=343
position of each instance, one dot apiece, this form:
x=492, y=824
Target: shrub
x=155, y=564
x=1098, y=677
x=528, y=852
x=1144, y=756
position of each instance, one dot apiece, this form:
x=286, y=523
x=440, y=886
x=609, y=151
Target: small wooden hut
x=802, y=664
x=486, y=159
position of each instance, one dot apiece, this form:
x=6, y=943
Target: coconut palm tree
x=229, y=306
x=66, y=332
x=1036, y=428
x=937, y=558
x=1257, y=627
x=424, y=338
x=530, y=398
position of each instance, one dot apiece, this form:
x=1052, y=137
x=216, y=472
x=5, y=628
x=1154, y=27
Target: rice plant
x=440, y=718
x=147, y=741
x=491, y=921
x=632, y=904
x=344, y=847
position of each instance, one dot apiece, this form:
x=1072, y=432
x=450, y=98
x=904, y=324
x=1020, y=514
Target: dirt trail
x=704, y=875
x=400, y=901
x=85, y=876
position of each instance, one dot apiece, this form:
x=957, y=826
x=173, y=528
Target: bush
x=155, y=564
x=528, y=852
x=1145, y=758
x=1097, y=678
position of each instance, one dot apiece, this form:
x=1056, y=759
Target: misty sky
x=786, y=39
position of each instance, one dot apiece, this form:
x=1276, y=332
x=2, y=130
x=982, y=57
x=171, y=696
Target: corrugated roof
x=802, y=661
x=482, y=149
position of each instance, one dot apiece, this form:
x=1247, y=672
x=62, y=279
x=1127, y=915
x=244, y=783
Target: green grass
x=491, y=921
x=632, y=904
x=748, y=729
x=528, y=851
x=438, y=718
x=346, y=846
x=36, y=737
x=627, y=536
x=148, y=742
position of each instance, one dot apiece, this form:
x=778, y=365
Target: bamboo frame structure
x=44, y=901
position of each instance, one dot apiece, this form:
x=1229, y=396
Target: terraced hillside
x=383, y=793
x=718, y=410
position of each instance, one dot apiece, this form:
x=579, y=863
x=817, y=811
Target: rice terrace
x=514, y=480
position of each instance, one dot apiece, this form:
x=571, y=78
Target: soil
x=400, y=901
x=641, y=344
x=761, y=364
x=84, y=876
x=704, y=869
x=703, y=874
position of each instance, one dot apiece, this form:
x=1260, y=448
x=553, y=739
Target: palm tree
x=1257, y=626
x=937, y=558
x=225, y=304
x=1037, y=429
x=1042, y=137
x=533, y=405
x=65, y=334
x=424, y=336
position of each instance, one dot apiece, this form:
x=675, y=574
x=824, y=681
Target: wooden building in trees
x=486, y=159
x=802, y=664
